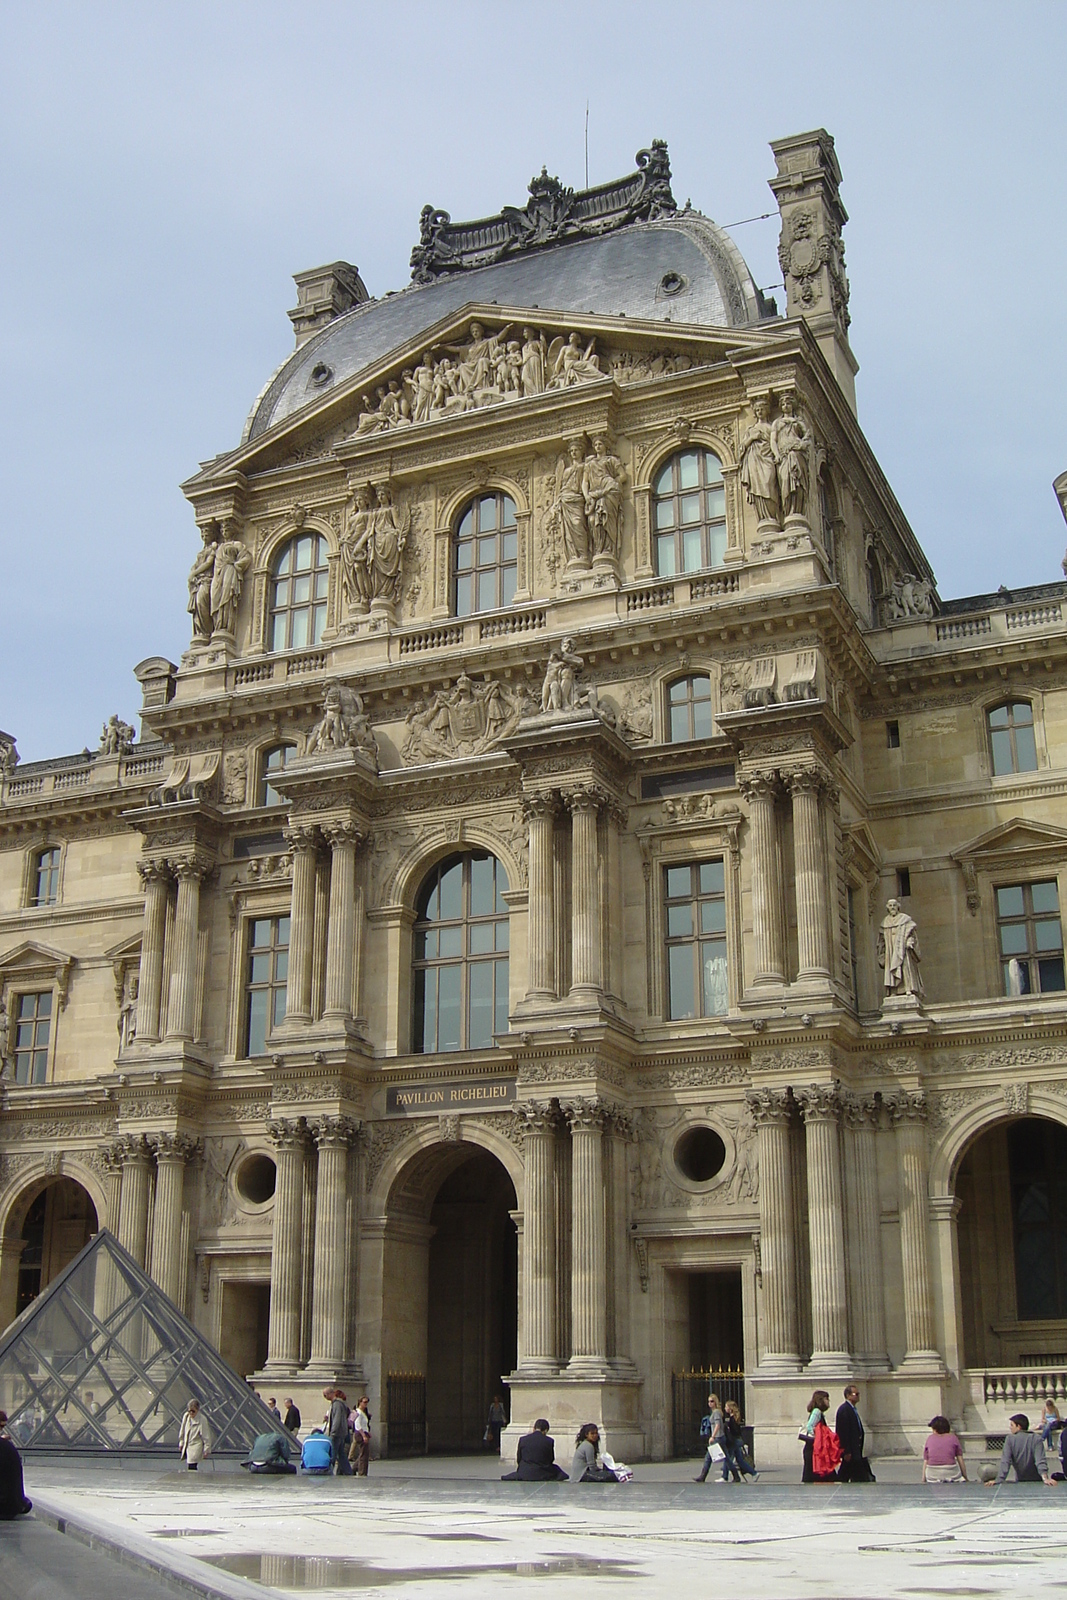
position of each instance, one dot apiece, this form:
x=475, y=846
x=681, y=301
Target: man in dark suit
x=536, y=1457
x=848, y=1425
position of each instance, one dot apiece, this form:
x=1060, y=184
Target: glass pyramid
x=103, y=1360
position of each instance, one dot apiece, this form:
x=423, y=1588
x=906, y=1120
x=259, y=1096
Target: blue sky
x=166, y=168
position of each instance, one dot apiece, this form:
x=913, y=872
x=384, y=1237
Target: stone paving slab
x=415, y=1534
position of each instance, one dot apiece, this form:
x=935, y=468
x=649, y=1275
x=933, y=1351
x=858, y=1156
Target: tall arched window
x=689, y=708
x=486, y=555
x=1011, y=738
x=271, y=762
x=298, y=589
x=689, y=513
x=45, y=887
x=461, y=955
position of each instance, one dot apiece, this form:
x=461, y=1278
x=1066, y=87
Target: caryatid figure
x=790, y=442
x=759, y=470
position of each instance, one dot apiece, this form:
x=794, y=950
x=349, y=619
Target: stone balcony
x=94, y=775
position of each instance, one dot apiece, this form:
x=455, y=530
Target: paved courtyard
x=417, y=1529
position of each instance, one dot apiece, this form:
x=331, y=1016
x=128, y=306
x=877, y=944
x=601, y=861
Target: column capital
x=191, y=865
x=769, y=1106
x=132, y=1148
x=540, y=805
x=152, y=869
x=301, y=837
x=585, y=1115
x=760, y=785
x=585, y=797
x=860, y=1110
x=342, y=833
x=335, y=1131
x=538, y=1117
x=177, y=1147
x=111, y=1157
x=907, y=1106
x=288, y=1133
x=819, y=1102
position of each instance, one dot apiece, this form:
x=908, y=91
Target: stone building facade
x=583, y=908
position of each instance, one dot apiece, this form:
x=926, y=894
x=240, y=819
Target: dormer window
x=689, y=513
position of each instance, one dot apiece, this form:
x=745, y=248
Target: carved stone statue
x=790, y=441
x=898, y=952
x=559, y=691
x=358, y=530
x=602, y=481
x=343, y=725
x=127, y=1018
x=759, y=469
x=534, y=362
x=566, y=514
x=116, y=737
x=232, y=561
x=463, y=721
x=571, y=364
x=9, y=756
x=909, y=597
x=200, y=575
x=384, y=552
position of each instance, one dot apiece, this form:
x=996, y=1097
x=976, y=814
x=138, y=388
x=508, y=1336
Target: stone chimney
x=810, y=249
x=322, y=294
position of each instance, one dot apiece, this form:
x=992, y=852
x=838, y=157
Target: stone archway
x=48, y=1223
x=450, y=1287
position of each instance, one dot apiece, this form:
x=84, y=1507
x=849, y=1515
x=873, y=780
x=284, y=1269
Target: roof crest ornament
x=552, y=215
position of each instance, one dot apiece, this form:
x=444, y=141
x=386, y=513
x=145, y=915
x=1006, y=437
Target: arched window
x=272, y=761
x=461, y=955
x=689, y=709
x=298, y=589
x=689, y=513
x=45, y=885
x=486, y=555
x=1011, y=738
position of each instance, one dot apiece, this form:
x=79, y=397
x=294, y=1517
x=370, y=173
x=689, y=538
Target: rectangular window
x=892, y=735
x=695, y=913
x=1030, y=938
x=33, y=1024
x=46, y=878
x=903, y=883
x=268, y=966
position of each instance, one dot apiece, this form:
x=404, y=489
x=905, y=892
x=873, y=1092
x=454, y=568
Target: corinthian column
x=286, y=1278
x=540, y=813
x=760, y=789
x=771, y=1112
x=334, y=1136
x=589, y=1278
x=172, y=1152
x=864, y=1215
x=156, y=880
x=539, y=1352
x=813, y=935
x=829, y=1305
x=584, y=807
x=136, y=1157
x=301, y=926
x=908, y=1111
x=344, y=840
x=181, y=1022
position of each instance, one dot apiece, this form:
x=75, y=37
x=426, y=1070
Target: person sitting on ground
x=711, y=1430
x=943, y=1454
x=270, y=1455
x=586, y=1466
x=316, y=1454
x=1050, y=1421
x=1024, y=1451
x=292, y=1418
x=13, y=1501
x=733, y=1442
x=536, y=1458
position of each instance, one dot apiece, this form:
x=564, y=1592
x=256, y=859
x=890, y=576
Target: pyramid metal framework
x=102, y=1360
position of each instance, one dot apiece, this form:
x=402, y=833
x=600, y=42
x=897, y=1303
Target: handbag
x=487, y=1436
x=717, y=1453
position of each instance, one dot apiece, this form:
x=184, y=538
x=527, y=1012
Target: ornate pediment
x=1016, y=840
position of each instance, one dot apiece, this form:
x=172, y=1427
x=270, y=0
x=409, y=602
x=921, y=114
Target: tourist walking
x=535, y=1458
x=821, y=1458
x=848, y=1425
x=711, y=1429
x=338, y=1430
x=13, y=1501
x=586, y=1467
x=735, y=1458
x=272, y=1407
x=292, y=1418
x=359, y=1451
x=943, y=1454
x=1025, y=1452
x=495, y=1422
x=194, y=1436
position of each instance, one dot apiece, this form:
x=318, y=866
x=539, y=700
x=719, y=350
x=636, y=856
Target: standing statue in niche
x=200, y=575
x=384, y=553
x=232, y=561
x=759, y=470
x=790, y=441
x=127, y=1018
x=566, y=514
x=898, y=952
x=359, y=527
x=602, y=481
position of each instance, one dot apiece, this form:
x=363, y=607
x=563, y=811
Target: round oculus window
x=256, y=1179
x=700, y=1155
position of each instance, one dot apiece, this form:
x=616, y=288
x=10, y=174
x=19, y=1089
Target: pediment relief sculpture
x=464, y=721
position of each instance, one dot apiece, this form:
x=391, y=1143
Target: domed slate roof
x=678, y=268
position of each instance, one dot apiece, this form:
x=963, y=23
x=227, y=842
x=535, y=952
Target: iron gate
x=405, y=1407
x=689, y=1398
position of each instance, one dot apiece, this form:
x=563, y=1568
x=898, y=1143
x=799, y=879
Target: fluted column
x=334, y=1136
x=540, y=813
x=864, y=1214
x=539, y=1353
x=820, y=1105
x=589, y=1279
x=772, y=1112
x=156, y=879
x=302, y=842
x=136, y=1156
x=908, y=1111
x=181, y=1022
x=344, y=840
x=813, y=900
x=172, y=1151
x=286, y=1278
x=584, y=804
x=759, y=790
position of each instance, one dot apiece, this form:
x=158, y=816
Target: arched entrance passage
x=451, y=1287
x=51, y=1221
x=1012, y=1230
